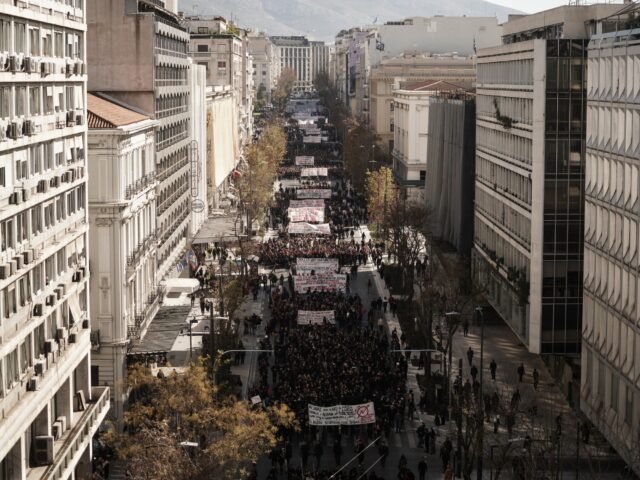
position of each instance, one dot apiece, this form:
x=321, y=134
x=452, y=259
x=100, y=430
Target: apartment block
x=49, y=408
x=122, y=216
x=137, y=54
x=295, y=53
x=264, y=58
x=610, y=393
x=530, y=166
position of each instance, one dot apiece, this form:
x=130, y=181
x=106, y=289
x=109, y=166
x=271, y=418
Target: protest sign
x=314, y=172
x=329, y=282
x=303, y=228
x=305, y=161
x=306, y=214
x=304, y=266
x=307, y=317
x=361, y=414
x=310, y=202
x=303, y=193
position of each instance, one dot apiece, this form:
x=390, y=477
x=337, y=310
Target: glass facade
x=565, y=132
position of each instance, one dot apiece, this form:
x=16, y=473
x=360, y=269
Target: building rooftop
x=106, y=114
x=431, y=86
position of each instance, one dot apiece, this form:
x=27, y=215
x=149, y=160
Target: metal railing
x=139, y=185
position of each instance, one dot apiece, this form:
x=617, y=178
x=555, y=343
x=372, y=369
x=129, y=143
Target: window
x=47, y=45
x=34, y=42
x=36, y=220
x=5, y=35
x=21, y=170
x=3, y=180
x=601, y=382
x=423, y=175
x=5, y=102
x=615, y=389
x=20, y=37
x=222, y=65
x=203, y=48
x=58, y=45
x=21, y=101
x=628, y=410
x=34, y=101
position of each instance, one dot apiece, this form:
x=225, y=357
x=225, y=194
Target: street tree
x=175, y=428
x=284, y=87
x=379, y=190
x=358, y=151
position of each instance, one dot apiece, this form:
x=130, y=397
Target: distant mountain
x=323, y=19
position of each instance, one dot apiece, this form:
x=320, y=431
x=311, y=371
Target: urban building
x=411, y=135
x=264, y=58
x=451, y=168
x=530, y=157
x=319, y=58
x=137, y=53
x=222, y=145
x=411, y=68
x=122, y=218
x=366, y=48
x=296, y=53
x=49, y=408
x=198, y=147
x=224, y=50
x=610, y=393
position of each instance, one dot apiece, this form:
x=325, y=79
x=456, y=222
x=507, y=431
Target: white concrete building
x=137, y=53
x=198, y=148
x=263, y=53
x=319, y=58
x=411, y=135
x=530, y=157
x=122, y=216
x=49, y=410
x=610, y=393
x=222, y=145
x=295, y=54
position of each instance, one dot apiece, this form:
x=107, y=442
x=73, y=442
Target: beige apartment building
x=137, y=54
x=389, y=74
x=49, y=408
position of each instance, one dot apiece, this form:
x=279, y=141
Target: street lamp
x=480, y=316
x=450, y=316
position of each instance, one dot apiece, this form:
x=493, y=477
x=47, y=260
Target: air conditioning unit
x=78, y=68
x=19, y=259
x=14, y=198
x=68, y=69
x=32, y=385
x=62, y=333
x=57, y=431
x=26, y=194
x=85, y=324
x=71, y=121
x=12, y=130
x=64, y=178
x=29, y=127
x=72, y=338
x=62, y=419
x=3, y=132
x=50, y=346
x=4, y=61
x=13, y=266
x=80, y=172
x=45, y=68
x=5, y=271
x=61, y=289
x=50, y=300
x=77, y=277
x=43, y=447
x=31, y=65
x=79, y=119
x=27, y=256
x=55, y=181
x=39, y=368
x=37, y=310
x=15, y=63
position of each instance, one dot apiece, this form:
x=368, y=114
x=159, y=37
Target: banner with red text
x=321, y=283
x=306, y=214
x=303, y=228
x=307, y=317
x=342, y=415
x=303, y=193
x=320, y=266
x=303, y=161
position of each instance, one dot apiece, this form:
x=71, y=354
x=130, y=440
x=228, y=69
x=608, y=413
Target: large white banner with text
x=303, y=228
x=304, y=266
x=342, y=415
x=314, y=172
x=329, y=282
x=309, y=202
x=303, y=193
x=306, y=214
x=305, y=161
x=308, y=317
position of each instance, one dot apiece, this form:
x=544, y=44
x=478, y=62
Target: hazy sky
x=531, y=6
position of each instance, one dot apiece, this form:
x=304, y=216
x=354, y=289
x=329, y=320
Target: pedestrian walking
x=474, y=372
x=493, y=366
x=383, y=451
x=422, y=468
x=470, y=355
x=536, y=379
x=520, y=372
x=369, y=286
x=465, y=328
x=448, y=474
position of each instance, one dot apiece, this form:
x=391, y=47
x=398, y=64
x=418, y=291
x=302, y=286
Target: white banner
x=329, y=282
x=303, y=228
x=309, y=202
x=314, y=172
x=320, y=266
x=342, y=415
x=306, y=214
x=308, y=317
x=317, y=139
x=312, y=131
x=305, y=161
x=303, y=193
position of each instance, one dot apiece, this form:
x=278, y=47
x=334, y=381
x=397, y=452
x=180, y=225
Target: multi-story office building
x=137, y=53
x=413, y=67
x=295, y=54
x=224, y=50
x=319, y=58
x=411, y=135
x=49, y=410
x=122, y=215
x=198, y=148
x=610, y=393
x=264, y=62
x=530, y=156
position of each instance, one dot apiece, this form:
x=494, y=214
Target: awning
x=186, y=285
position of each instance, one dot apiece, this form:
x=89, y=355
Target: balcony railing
x=139, y=185
x=172, y=228
x=171, y=141
x=78, y=438
x=167, y=172
x=161, y=208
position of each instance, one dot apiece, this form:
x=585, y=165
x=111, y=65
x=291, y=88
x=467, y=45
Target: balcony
x=173, y=227
x=170, y=170
x=164, y=206
x=142, y=250
x=139, y=185
x=68, y=449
